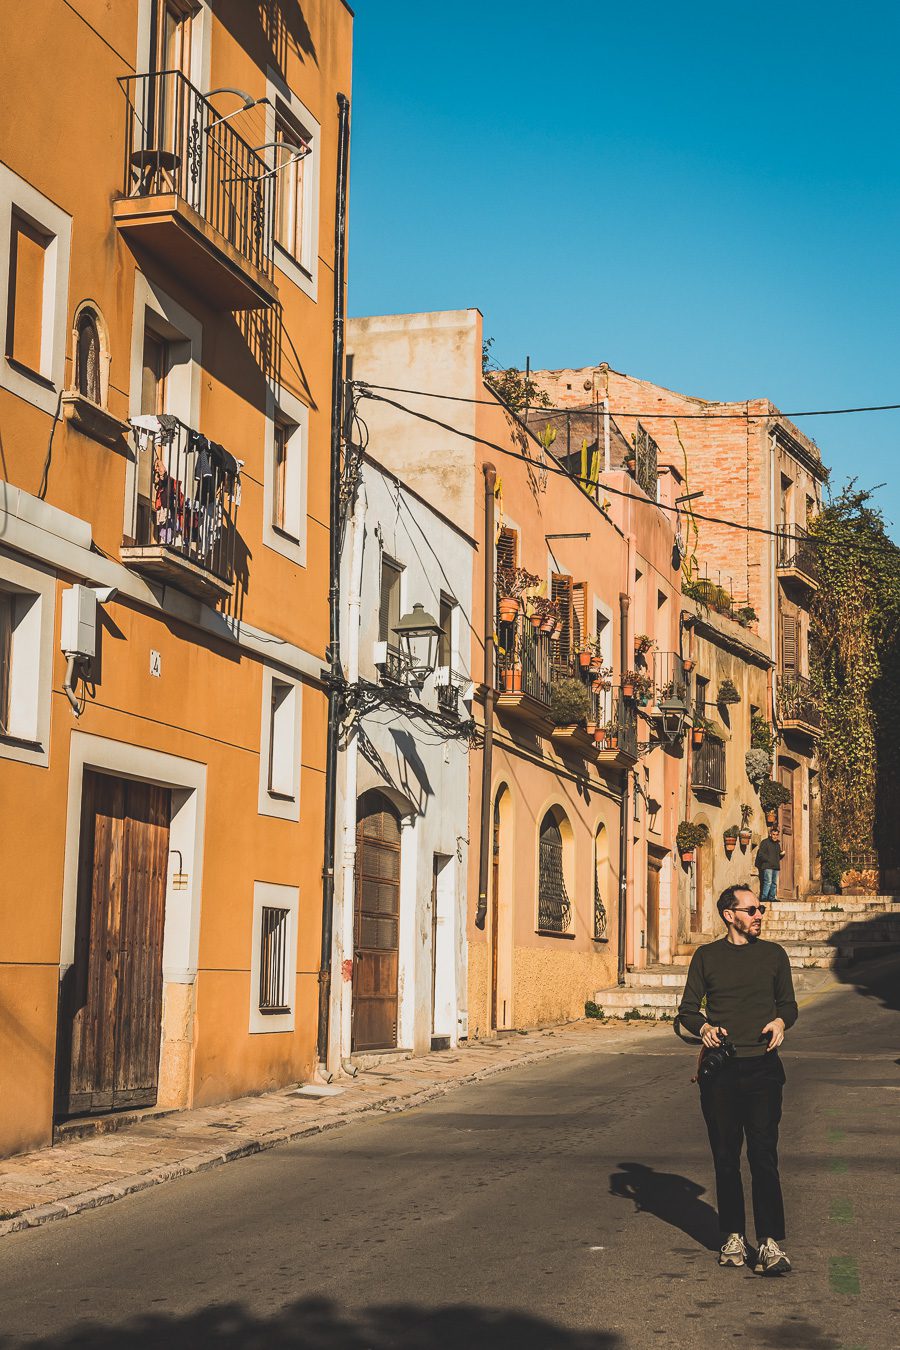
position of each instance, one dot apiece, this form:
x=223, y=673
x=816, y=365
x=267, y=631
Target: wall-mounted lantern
x=418, y=635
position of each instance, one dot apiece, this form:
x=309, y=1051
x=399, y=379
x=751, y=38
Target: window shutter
x=507, y=548
x=579, y=614
x=561, y=593
x=789, y=634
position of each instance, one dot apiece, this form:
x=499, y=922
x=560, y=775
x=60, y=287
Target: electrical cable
x=557, y=468
x=592, y=408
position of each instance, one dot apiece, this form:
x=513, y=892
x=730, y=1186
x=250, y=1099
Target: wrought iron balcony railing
x=797, y=704
x=177, y=143
x=708, y=766
x=448, y=699
x=798, y=555
x=523, y=659
x=184, y=506
x=671, y=680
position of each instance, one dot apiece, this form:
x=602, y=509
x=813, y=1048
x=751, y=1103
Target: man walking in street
x=768, y=865
x=749, y=1005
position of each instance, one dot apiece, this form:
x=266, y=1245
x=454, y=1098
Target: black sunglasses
x=751, y=910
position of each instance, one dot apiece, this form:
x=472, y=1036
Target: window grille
x=601, y=919
x=554, y=908
x=507, y=548
x=646, y=453
x=87, y=357
x=273, y=960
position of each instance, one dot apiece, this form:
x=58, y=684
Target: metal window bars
x=646, y=457
x=186, y=494
x=796, y=701
x=601, y=919
x=273, y=960
x=708, y=766
x=176, y=142
x=554, y=906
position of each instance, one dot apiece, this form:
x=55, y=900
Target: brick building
x=758, y=471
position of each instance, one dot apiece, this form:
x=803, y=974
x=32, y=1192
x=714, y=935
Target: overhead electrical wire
x=363, y=389
x=594, y=408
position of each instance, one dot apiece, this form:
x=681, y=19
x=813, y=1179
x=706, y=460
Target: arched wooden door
x=376, y=927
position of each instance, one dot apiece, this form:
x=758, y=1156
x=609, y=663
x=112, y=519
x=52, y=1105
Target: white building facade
x=399, y=936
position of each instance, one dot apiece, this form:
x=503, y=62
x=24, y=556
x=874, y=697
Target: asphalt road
x=563, y=1206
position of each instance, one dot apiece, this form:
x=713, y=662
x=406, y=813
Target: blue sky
x=706, y=195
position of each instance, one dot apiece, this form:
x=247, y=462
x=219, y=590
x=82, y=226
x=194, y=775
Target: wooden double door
x=111, y=998
x=376, y=937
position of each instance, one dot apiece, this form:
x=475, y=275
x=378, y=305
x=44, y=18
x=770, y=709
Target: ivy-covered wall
x=855, y=670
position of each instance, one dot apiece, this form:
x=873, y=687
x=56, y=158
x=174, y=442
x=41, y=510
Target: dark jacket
x=769, y=855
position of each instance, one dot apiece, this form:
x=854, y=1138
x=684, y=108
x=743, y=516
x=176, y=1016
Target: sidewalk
x=80, y=1174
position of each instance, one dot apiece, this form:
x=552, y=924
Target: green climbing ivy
x=854, y=651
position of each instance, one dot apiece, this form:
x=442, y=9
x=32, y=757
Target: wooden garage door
x=114, y=993
x=376, y=927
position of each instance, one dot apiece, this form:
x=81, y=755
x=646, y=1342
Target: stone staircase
x=822, y=933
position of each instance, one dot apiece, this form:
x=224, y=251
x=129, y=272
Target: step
x=660, y=1002
x=654, y=977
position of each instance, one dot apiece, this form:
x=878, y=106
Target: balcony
x=798, y=559
x=620, y=748
x=708, y=767
x=671, y=681
x=523, y=672
x=797, y=707
x=196, y=195
x=183, y=509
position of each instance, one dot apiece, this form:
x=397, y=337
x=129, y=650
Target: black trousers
x=744, y=1102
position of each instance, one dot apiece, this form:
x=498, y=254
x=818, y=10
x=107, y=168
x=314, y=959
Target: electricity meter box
x=79, y=622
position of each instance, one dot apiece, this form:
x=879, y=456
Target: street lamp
x=672, y=719
x=418, y=634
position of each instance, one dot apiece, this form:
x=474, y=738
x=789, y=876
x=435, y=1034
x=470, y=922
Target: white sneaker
x=770, y=1259
x=734, y=1251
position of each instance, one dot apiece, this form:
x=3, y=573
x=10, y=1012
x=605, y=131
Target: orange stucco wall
x=65, y=136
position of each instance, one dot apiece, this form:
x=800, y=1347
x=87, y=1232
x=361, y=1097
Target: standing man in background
x=749, y=994
x=768, y=865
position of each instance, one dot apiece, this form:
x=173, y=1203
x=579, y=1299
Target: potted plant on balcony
x=746, y=616
x=762, y=737
x=728, y=693
x=600, y=737
x=688, y=838
x=570, y=702
x=611, y=735
x=643, y=643
x=730, y=837
x=773, y=794
x=688, y=664
x=585, y=653
x=745, y=834
x=699, y=730
x=512, y=583
x=596, y=662
x=602, y=680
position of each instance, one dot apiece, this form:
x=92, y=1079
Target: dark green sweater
x=745, y=987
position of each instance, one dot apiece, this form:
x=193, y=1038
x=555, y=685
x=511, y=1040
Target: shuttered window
x=789, y=644
x=389, y=612
x=571, y=597
x=507, y=548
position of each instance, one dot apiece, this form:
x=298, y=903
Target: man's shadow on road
x=674, y=1199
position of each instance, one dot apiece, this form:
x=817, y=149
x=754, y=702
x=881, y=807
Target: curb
x=39, y=1215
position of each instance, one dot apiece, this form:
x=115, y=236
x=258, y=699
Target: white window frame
x=302, y=271
x=268, y=893
x=31, y=675
x=42, y=388
x=286, y=407
x=283, y=805
x=201, y=35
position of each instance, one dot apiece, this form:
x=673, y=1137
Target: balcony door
x=787, y=882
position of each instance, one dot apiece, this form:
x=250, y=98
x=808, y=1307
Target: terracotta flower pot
x=698, y=735
x=771, y=816
x=536, y=620
x=612, y=740
x=745, y=836
x=628, y=689
x=600, y=738
x=688, y=665
x=548, y=625
x=584, y=660
x=556, y=634
x=591, y=728
x=687, y=856
x=730, y=844
x=508, y=608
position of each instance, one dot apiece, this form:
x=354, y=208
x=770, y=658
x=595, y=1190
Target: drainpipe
x=624, y=823
x=335, y=680
x=339, y=1046
x=484, y=853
